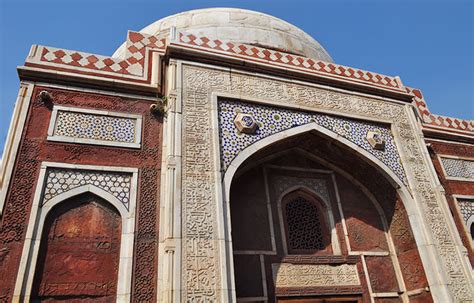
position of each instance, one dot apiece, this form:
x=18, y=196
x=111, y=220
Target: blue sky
x=429, y=44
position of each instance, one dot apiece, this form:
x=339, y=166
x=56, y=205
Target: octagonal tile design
x=271, y=120
x=375, y=139
x=245, y=123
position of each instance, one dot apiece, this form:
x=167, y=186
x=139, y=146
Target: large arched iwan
x=366, y=222
x=79, y=253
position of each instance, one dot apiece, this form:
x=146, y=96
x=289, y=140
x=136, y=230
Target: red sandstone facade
x=116, y=183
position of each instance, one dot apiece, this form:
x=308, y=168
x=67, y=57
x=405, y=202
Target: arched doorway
x=353, y=238
x=78, y=259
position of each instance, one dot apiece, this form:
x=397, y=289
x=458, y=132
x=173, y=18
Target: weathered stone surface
x=240, y=25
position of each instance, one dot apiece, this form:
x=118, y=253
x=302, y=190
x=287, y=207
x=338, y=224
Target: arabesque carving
x=314, y=275
x=200, y=255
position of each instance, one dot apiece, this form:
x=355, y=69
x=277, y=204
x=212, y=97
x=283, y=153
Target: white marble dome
x=240, y=25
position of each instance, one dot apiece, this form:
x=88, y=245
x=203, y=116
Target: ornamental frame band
x=69, y=139
x=466, y=224
x=204, y=250
x=26, y=272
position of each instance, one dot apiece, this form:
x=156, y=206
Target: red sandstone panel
x=400, y=230
x=454, y=187
x=407, y=252
x=79, y=254
x=34, y=149
x=364, y=225
x=412, y=270
x=381, y=274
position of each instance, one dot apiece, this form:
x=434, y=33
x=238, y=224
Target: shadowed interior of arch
x=368, y=202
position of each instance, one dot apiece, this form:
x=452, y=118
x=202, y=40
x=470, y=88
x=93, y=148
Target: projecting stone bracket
x=375, y=140
x=245, y=123
x=159, y=108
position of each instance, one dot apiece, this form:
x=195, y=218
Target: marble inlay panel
x=458, y=168
x=79, y=125
x=61, y=180
x=272, y=120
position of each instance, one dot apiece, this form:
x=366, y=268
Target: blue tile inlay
x=272, y=120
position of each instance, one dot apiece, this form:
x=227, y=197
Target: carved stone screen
x=79, y=253
x=458, y=168
x=304, y=230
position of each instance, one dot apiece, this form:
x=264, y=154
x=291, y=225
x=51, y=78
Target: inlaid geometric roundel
x=271, y=120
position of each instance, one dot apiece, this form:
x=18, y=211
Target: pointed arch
x=267, y=141
x=291, y=203
x=50, y=204
x=40, y=211
x=411, y=207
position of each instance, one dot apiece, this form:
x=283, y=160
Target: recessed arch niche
x=376, y=250
x=79, y=253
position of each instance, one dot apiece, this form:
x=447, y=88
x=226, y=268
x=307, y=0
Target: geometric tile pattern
x=132, y=64
x=429, y=119
x=467, y=209
x=95, y=127
x=60, y=180
x=272, y=56
x=458, y=168
x=271, y=120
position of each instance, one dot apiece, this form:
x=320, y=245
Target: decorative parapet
x=287, y=60
x=430, y=120
x=133, y=67
x=136, y=67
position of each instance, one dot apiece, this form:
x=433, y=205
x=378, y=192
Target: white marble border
x=470, y=221
x=57, y=108
x=26, y=272
x=12, y=143
x=446, y=176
